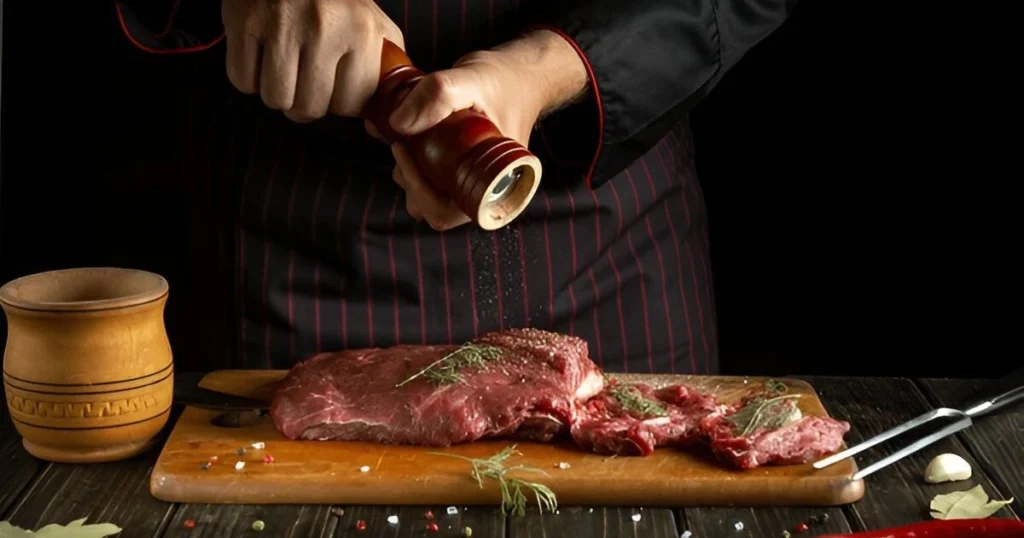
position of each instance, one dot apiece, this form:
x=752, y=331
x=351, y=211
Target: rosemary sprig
x=774, y=386
x=446, y=369
x=513, y=499
x=760, y=412
x=630, y=399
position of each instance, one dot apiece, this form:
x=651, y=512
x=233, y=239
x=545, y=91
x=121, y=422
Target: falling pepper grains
x=801, y=527
x=258, y=525
x=428, y=514
x=189, y=524
x=360, y=525
x=432, y=527
x=268, y=459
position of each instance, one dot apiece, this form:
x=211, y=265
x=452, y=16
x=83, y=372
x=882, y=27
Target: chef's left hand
x=513, y=85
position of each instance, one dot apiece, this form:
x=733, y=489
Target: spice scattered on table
x=258, y=525
x=393, y=519
x=428, y=514
x=239, y=465
x=337, y=511
x=432, y=527
x=360, y=525
x=268, y=459
x=738, y=525
x=636, y=517
x=213, y=459
x=801, y=527
x=364, y=469
x=259, y=446
x=452, y=510
x=468, y=531
x=205, y=465
x=240, y=451
x=686, y=534
x=563, y=465
x=189, y=524
x=786, y=534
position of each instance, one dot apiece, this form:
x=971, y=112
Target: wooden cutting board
x=330, y=472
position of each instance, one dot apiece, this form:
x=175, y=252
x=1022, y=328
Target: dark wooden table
x=35, y=493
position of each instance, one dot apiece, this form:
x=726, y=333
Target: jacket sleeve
x=648, y=62
x=170, y=26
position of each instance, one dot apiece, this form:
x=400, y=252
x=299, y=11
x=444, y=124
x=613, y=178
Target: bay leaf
x=970, y=504
x=75, y=529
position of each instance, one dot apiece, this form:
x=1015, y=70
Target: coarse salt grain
x=259, y=445
x=686, y=534
x=636, y=517
x=393, y=520
x=213, y=459
x=563, y=465
x=364, y=469
x=739, y=525
x=239, y=465
x=452, y=510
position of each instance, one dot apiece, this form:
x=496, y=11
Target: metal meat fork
x=1008, y=390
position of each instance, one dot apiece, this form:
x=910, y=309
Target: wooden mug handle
x=491, y=177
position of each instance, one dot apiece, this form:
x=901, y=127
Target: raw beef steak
x=633, y=419
x=525, y=383
x=766, y=430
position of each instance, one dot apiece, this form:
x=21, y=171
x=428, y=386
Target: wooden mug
x=491, y=178
x=87, y=369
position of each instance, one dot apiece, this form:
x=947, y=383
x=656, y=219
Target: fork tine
x=888, y=434
x=961, y=424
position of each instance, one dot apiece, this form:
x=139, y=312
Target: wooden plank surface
x=761, y=522
x=898, y=494
x=17, y=467
x=580, y=522
x=330, y=472
x=996, y=441
x=219, y=520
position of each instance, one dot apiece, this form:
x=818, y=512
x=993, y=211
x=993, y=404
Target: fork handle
x=995, y=403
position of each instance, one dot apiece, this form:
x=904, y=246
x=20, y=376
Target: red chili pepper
x=950, y=528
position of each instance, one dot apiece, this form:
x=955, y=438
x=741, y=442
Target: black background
x=859, y=223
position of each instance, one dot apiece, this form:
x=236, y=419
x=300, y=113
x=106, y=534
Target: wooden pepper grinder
x=490, y=177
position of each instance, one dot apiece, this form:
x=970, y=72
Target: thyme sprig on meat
x=513, y=498
x=761, y=412
x=630, y=398
x=445, y=370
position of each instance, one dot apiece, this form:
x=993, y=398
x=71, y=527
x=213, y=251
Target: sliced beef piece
x=633, y=419
x=530, y=390
x=777, y=435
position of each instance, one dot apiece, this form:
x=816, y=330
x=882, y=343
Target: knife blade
x=188, y=392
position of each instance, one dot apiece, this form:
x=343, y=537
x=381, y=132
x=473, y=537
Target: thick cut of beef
x=763, y=430
x=524, y=383
x=633, y=419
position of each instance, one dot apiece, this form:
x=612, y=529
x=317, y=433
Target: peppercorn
x=468, y=531
x=432, y=527
x=801, y=527
x=268, y=459
x=189, y=523
x=813, y=520
x=361, y=525
x=428, y=514
x=824, y=516
x=258, y=525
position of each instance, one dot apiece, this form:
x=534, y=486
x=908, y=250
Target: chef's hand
x=307, y=57
x=513, y=85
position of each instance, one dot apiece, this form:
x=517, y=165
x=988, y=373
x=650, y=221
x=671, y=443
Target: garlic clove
x=947, y=468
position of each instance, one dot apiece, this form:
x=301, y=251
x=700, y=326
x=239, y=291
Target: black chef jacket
x=307, y=246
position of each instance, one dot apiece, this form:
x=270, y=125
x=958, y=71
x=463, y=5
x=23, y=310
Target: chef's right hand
x=307, y=57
